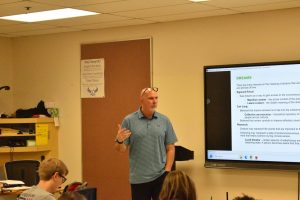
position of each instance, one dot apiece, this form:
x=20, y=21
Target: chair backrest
x=24, y=170
x=90, y=193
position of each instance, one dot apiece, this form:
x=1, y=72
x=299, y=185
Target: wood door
x=127, y=71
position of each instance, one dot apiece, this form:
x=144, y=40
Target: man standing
x=150, y=138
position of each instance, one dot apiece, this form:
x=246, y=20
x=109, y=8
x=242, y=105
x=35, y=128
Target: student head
x=71, y=196
x=52, y=173
x=244, y=197
x=178, y=186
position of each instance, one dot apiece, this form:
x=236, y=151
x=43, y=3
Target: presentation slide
x=265, y=112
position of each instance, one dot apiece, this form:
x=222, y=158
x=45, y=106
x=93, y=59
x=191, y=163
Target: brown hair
x=71, y=196
x=49, y=167
x=178, y=186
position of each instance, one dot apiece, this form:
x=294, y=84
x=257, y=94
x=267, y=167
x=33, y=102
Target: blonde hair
x=49, y=167
x=178, y=186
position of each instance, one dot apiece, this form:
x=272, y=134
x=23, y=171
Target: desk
x=11, y=194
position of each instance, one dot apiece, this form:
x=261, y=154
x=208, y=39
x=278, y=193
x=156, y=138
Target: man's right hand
x=123, y=134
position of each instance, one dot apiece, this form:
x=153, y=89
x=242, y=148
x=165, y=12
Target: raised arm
x=122, y=135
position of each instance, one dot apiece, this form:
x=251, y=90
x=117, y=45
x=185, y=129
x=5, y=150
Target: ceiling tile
x=168, y=10
x=240, y=3
x=192, y=15
x=73, y=3
x=20, y=8
x=7, y=22
x=273, y=6
x=44, y=31
x=114, y=24
x=9, y=1
x=7, y=35
x=22, y=27
x=131, y=5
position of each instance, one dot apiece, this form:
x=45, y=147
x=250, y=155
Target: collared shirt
x=148, y=140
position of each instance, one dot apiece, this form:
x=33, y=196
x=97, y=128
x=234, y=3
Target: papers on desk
x=8, y=131
x=16, y=189
x=12, y=186
x=11, y=183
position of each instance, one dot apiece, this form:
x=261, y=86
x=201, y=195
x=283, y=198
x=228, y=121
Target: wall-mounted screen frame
x=252, y=115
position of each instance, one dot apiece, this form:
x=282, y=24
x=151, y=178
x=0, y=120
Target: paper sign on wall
x=41, y=134
x=92, y=78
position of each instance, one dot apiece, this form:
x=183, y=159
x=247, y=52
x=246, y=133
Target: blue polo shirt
x=147, y=145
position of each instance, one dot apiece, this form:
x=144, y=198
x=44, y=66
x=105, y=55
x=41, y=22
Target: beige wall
x=48, y=67
x=6, y=69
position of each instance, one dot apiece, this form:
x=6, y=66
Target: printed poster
x=92, y=78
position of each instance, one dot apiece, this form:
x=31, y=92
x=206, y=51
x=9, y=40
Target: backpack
x=75, y=186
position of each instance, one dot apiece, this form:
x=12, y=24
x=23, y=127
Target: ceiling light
x=49, y=15
x=198, y=0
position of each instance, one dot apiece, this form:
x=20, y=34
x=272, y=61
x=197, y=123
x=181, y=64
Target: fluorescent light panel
x=49, y=15
x=198, y=0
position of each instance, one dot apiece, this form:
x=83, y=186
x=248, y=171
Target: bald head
x=148, y=99
x=147, y=90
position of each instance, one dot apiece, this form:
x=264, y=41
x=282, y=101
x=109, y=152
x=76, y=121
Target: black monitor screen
x=252, y=115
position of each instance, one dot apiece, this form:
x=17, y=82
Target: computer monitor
x=90, y=193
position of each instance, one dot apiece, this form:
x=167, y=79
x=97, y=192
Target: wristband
x=117, y=141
